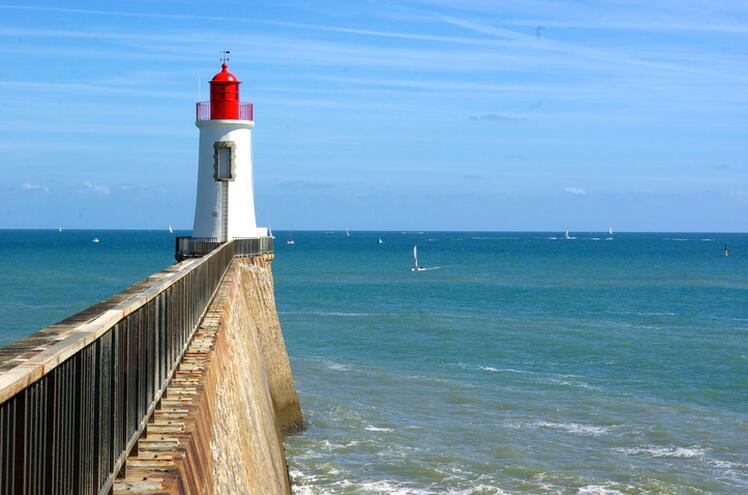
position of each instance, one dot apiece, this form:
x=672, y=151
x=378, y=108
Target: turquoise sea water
x=524, y=364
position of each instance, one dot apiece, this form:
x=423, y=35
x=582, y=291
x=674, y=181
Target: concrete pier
x=179, y=384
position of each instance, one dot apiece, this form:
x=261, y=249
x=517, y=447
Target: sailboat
x=290, y=237
x=59, y=229
x=381, y=241
x=610, y=230
x=347, y=233
x=567, y=236
x=171, y=230
x=95, y=240
x=416, y=267
x=270, y=233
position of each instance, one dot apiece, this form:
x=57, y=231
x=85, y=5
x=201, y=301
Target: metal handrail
x=71, y=413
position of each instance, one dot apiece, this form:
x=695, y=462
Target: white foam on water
x=330, y=313
x=374, y=428
x=501, y=370
x=337, y=366
x=673, y=452
x=338, y=313
x=601, y=489
x=551, y=378
x=576, y=428
x=394, y=488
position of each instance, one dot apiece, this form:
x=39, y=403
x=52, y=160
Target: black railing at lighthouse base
x=197, y=247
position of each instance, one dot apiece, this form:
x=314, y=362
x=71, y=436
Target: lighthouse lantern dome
x=224, y=95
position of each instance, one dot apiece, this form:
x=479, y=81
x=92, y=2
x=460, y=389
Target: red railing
x=202, y=111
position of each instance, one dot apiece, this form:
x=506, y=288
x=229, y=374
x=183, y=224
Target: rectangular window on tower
x=224, y=156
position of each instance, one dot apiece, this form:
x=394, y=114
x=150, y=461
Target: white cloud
x=575, y=190
x=88, y=186
x=34, y=187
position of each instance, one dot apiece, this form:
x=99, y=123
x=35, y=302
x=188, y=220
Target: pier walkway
x=87, y=402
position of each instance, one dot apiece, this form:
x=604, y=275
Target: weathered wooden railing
x=75, y=397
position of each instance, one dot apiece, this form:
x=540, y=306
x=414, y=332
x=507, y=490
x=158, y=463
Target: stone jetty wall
x=220, y=425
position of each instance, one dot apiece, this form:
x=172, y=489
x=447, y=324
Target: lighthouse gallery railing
x=76, y=396
x=202, y=111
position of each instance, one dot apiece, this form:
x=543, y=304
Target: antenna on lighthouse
x=225, y=56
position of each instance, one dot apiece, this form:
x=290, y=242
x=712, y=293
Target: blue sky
x=412, y=114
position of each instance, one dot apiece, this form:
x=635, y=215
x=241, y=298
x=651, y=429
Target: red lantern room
x=224, y=95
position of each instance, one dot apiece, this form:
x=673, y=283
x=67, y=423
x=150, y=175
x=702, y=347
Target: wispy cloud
x=494, y=117
x=575, y=190
x=28, y=186
x=87, y=187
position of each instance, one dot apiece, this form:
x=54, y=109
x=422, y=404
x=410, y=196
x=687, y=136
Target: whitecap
x=576, y=428
x=674, y=452
x=604, y=489
x=374, y=428
x=337, y=366
x=502, y=370
x=338, y=313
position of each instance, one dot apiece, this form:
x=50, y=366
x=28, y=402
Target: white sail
x=171, y=230
x=415, y=256
x=380, y=241
x=610, y=230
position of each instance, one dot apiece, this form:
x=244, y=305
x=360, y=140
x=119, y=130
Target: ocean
x=519, y=363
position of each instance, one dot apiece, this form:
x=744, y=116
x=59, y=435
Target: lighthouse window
x=224, y=156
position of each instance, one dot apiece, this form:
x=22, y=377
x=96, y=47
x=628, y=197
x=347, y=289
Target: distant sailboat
x=270, y=233
x=610, y=230
x=416, y=267
x=727, y=253
x=290, y=237
x=59, y=229
x=171, y=230
x=381, y=241
x=567, y=236
x=95, y=240
x=347, y=233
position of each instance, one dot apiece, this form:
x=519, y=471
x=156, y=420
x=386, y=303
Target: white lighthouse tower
x=225, y=206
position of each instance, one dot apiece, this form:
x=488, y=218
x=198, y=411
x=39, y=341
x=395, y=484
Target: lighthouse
x=225, y=207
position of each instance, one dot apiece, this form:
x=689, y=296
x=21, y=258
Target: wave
x=603, y=489
x=332, y=313
x=374, y=428
x=673, y=452
x=550, y=378
x=331, y=365
x=576, y=428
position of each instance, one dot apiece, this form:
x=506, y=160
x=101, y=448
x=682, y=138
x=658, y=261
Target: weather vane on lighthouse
x=225, y=207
